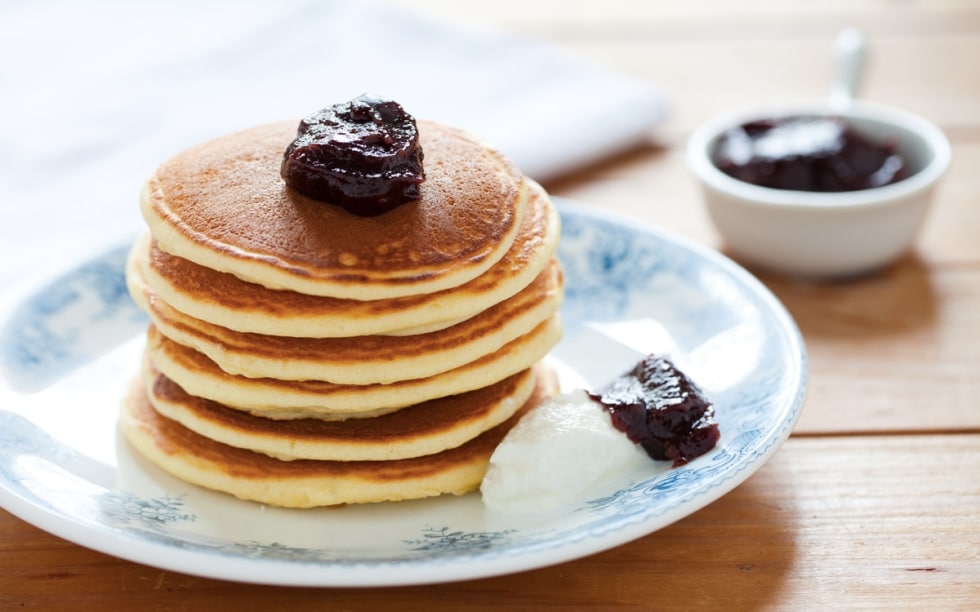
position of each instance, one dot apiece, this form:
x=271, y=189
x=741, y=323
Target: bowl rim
x=700, y=164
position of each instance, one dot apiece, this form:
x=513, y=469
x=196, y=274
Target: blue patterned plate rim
x=721, y=323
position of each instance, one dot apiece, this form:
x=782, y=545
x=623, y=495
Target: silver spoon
x=850, y=55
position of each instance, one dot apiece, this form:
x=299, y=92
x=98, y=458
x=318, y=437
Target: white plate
x=68, y=349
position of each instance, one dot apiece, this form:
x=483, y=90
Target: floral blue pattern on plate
x=68, y=350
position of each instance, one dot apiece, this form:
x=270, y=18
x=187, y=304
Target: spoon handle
x=850, y=55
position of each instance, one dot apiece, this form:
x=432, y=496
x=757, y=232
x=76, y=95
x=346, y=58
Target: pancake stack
x=299, y=355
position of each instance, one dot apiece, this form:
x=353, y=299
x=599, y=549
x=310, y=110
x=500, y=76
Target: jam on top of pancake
x=363, y=155
x=658, y=407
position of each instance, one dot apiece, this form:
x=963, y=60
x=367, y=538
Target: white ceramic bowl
x=823, y=234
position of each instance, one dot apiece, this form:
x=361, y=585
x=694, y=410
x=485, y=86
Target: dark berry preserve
x=822, y=154
x=658, y=407
x=363, y=155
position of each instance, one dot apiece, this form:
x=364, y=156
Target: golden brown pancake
x=283, y=399
x=307, y=483
x=226, y=300
x=422, y=429
x=223, y=205
x=367, y=359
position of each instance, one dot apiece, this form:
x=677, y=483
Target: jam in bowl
x=828, y=194
x=809, y=153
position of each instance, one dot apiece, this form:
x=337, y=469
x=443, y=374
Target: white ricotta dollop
x=556, y=455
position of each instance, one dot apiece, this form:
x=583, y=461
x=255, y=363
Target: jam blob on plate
x=363, y=155
x=808, y=153
x=658, y=407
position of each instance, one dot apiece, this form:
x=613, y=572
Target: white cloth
x=93, y=95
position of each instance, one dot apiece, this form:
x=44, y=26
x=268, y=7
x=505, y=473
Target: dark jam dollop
x=363, y=155
x=820, y=154
x=658, y=407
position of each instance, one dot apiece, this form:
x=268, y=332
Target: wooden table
x=875, y=499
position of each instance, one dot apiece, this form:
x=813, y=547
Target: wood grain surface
x=874, y=502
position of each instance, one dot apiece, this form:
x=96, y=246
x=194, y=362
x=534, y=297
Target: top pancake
x=223, y=299
x=224, y=206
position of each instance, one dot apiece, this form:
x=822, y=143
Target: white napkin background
x=93, y=95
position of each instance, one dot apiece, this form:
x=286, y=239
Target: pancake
x=367, y=359
x=308, y=483
x=223, y=205
x=422, y=429
x=225, y=300
x=283, y=399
